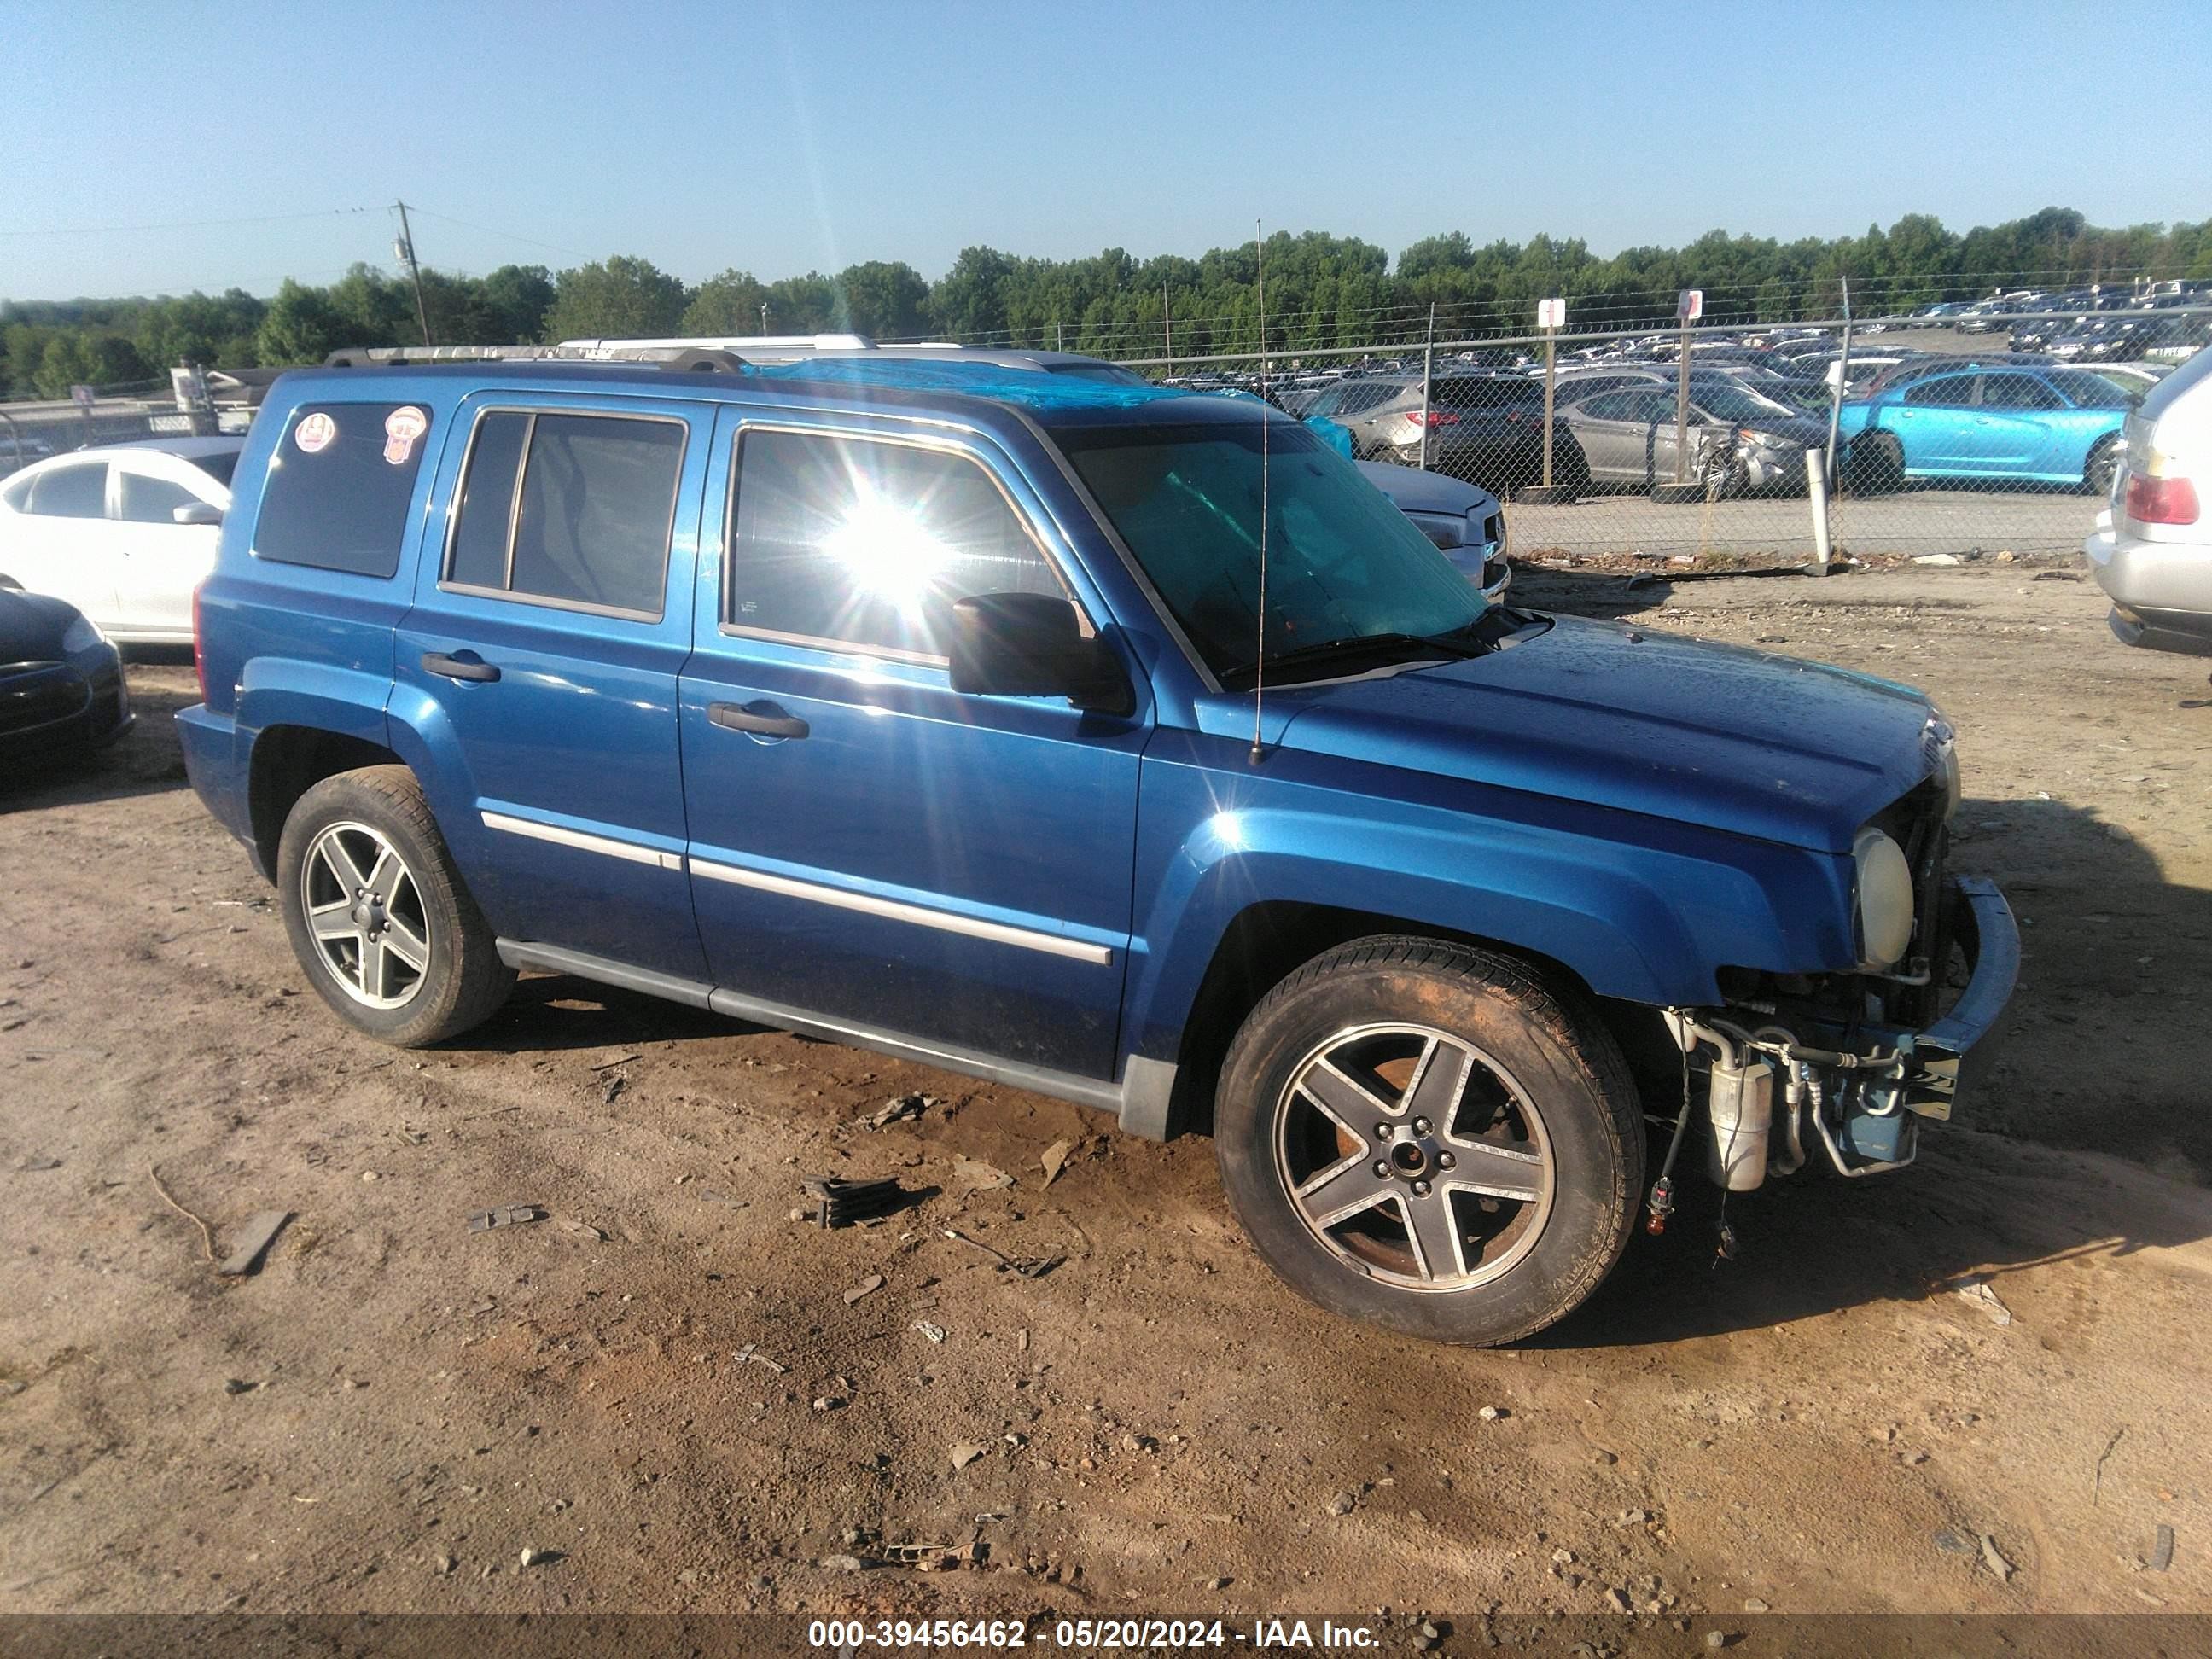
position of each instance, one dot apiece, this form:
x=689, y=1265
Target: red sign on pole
x=1691, y=306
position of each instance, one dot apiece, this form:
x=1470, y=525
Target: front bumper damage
x=1780, y=1084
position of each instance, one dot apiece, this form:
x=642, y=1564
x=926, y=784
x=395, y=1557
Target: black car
x=61, y=682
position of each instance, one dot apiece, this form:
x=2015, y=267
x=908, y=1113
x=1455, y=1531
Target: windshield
x=1733, y=403
x=1343, y=563
x=218, y=467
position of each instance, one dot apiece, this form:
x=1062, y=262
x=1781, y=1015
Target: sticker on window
x=401, y=428
x=315, y=434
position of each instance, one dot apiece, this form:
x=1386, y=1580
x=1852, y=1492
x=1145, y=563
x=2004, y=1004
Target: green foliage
x=1322, y=291
x=619, y=297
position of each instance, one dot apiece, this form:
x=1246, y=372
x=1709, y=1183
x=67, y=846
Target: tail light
x=1436, y=417
x=199, y=644
x=2161, y=501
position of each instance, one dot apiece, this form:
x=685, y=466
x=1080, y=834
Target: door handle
x=458, y=668
x=759, y=720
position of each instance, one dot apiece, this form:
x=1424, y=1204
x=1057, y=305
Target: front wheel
x=1424, y=1136
x=377, y=915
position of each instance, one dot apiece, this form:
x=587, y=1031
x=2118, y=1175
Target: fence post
x=1428, y=370
x=1816, y=492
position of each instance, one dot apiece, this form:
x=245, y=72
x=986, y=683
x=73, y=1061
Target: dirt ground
x=396, y=1407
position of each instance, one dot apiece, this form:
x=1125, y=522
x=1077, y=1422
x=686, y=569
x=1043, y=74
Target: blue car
x=1988, y=425
x=1099, y=739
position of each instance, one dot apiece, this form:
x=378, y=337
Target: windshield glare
x=1343, y=562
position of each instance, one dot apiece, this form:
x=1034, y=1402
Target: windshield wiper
x=1409, y=647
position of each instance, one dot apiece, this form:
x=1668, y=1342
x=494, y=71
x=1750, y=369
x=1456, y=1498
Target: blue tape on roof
x=1031, y=388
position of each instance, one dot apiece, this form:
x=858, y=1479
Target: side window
x=339, y=484
x=866, y=543
x=574, y=508
x=1610, y=406
x=151, y=500
x=71, y=492
x=2017, y=392
x=1944, y=391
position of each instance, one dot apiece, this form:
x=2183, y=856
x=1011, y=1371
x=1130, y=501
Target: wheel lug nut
x=1445, y=1160
x=1382, y=1168
x=1420, y=1189
x=1382, y=1131
x=1420, y=1125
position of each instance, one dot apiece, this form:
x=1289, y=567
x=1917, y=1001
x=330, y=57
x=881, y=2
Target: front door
x=549, y=623
x=159, y=561
x=866, y=844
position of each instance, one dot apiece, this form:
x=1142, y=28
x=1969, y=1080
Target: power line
x=470, y=224
x=185, y=224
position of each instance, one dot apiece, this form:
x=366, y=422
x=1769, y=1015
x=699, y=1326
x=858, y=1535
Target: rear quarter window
x=339, y=487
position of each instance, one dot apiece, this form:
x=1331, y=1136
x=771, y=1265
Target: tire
x=375, y=826
x=1875, y=464
x=1570, y=466
x=2104, y=462
x=1532, y=1078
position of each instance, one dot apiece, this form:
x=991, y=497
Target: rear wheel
x=2102, y=464
x=379, y=916
x=1426, y=1137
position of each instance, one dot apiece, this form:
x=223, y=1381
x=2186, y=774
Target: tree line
x=1321, y=291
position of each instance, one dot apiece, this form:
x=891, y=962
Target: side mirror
x=197, y=512
x=1030, y=645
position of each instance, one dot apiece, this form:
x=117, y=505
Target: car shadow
x=1610, y=595
x=145, y=761
x=551, y=1013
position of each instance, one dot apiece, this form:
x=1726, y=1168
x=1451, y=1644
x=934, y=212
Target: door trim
x=578, y=839
x=973, y=927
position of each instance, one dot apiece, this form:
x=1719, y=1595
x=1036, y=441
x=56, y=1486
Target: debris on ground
x=1975, y=1288
x=934, y=1333
x=256, y=1237
x=611, y=1091
x=583, y=1230
x=609, y=1064
x=537, y=1558
x=37, y=1165
x=1953, y=1543
x=867, y=1286
x=897, y=1109
x=967, y=1453
x=842, y=1564
x=1055, y=1159
x=1993, y=1557
x=840, y=1203
x=1029, y=1267
x=2161, y=1552
x=238, y=1385
x=505, y=1215
x=747, y=1352
x=978, y=1176
x=933, y=1557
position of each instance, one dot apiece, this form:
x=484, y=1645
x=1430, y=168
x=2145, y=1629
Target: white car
x=2152, y=549
x=125, y=533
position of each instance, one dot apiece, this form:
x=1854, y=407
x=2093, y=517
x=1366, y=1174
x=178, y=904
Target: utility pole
x=406, y=252
x=764, y=317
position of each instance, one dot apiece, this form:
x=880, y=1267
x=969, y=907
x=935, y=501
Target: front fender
x=1637, y=908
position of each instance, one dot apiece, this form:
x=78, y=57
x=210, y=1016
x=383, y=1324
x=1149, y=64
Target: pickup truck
x=1102, y=740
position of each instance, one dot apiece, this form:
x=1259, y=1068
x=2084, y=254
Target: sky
x=268, y=141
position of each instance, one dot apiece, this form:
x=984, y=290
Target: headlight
x=1943, y=741
x=1884, y=899
x=83, y=634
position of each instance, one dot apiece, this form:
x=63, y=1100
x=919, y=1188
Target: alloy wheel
x=365, y=912
x=1415, y=1156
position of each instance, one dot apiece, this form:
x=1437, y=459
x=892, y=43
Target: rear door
x=64, y=543
x=1934, y=422
x=2012, y=430
x=868, y=845
x=550, y=620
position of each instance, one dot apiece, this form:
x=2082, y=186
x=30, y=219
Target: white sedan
x=125, y=533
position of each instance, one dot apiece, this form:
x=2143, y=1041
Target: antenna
x=1260, y=649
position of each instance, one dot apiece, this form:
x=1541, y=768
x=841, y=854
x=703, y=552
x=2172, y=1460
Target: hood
x=31, y=626
x=1795, y=752
x=1417, y=491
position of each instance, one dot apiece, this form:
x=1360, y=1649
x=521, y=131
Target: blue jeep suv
x=1113, y=742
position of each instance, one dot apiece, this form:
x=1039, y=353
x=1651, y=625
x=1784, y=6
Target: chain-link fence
x=1999, y=436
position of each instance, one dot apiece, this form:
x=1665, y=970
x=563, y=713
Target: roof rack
x=754, y=347
x=669, y=355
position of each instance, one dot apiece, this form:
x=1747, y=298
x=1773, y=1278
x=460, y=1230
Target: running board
x=1140, y=1103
